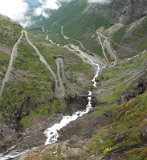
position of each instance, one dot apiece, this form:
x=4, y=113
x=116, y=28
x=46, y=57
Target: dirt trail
x=10, y=65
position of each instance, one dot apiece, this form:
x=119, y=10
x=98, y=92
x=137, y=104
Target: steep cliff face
x=120, y=11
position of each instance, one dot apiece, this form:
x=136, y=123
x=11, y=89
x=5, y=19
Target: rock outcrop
x=120, y=11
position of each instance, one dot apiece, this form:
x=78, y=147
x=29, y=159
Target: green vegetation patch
x=4, y=59
x=9, y=31
x=139, y=32
x=128, y=119
x=118, y=36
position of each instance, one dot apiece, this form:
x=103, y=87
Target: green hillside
x=9, y=31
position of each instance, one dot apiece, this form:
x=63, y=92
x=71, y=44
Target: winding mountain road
x=59, y=90
x=90, y=59
x=60, y=63
x=107, y=44
x=120, y=76
x=10, y=65
x=59, y=87
x=103, y=49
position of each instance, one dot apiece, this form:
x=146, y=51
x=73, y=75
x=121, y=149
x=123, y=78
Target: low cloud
x=47, y=5
x=99, y=1
x=16, y=10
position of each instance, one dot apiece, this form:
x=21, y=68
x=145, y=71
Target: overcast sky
x=99, y=1
x=16, y=9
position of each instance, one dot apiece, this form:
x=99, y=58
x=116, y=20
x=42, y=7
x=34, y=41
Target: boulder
x=120, y=137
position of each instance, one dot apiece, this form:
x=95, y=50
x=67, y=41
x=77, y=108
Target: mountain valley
x=74, y=86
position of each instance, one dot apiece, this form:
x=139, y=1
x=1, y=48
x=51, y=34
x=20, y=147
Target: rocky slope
x=122, y=11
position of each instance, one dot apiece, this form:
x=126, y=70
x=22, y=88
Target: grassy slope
x=138, y=33
x=33, y=83
x=124, y=118
x=9, y=32
x=132, y=66
x=4, y=58
x=128, y=118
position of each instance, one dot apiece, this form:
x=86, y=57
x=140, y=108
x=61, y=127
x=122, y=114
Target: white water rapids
x=52, y=132
x=12, y=155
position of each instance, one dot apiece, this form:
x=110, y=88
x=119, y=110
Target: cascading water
x=89, y=59
x=52, y=132
x=11, y=155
